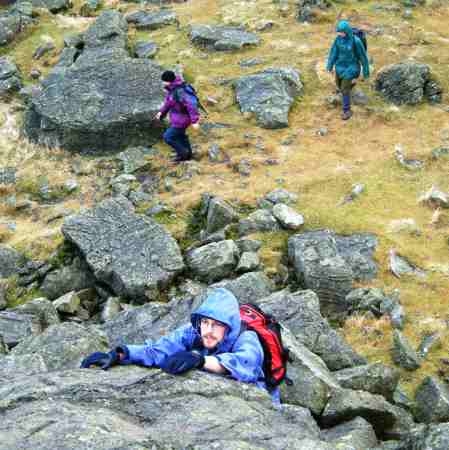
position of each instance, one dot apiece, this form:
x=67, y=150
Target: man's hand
x=182, y=362
x=103, y=360
x=196, y=126
x=158, y=116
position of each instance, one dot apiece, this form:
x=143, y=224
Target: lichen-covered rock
x=260, y=220
x=222, y=37
x=357, y=432
x=69, y=303
x=214, y=261
x=10, y=78
x=16, y=326
x=10, y=261
x=63, y=346
x=248, y=262
x=407, y=83
x=288, y=217
x=403, y=354
x=269, y=95
x=132, y=254
x=145, y=20
x=16, y=366
x=219, y=214
x=143, y=408
x=100, y=99
x=432, y=401
x=431, y=437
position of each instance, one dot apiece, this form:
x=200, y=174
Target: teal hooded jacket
x=348, y=54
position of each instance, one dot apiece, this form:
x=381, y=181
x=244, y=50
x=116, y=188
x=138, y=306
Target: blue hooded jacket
x=240, y=353
x=347, y=53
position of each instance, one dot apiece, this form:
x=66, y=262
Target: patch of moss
x=16, y=295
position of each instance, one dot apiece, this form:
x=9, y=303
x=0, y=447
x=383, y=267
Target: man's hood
x=178, y=81
x=343, y=25
x=220, y=305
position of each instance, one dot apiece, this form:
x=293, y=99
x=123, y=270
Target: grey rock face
x=52, y=5
x=406, y=83
x=432, y=401
x=328, y=263
x=312, y=382
x=221, y=37
x=403, y=354
x=10, y=79
x=260, y=220
x=357, y=432
x=144, y=408
x=101, y=99
x=219, y=214
x=130, y=253
x=269, y=95
x=300, y=313
x=16, y=326
x=214, y=261
x=248, y=262
x=374, y=378
x=145, y=20
x=63, y=346
x=248, y=288
x=42, y=309
x=10, y=261
x=288, y=217
x=12, y=366
x=431, y=437
x=75, y=277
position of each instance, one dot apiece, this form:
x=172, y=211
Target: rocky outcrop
x=98, y=98
x=407, y=83
x=269, y=95
x=131, y=254
x=221, y=37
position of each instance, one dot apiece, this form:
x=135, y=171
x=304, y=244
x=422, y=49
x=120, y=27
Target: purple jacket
x=181, y=116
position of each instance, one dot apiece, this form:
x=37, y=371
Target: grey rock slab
x=146, y=20
x=69, y=303
x=249, y=287
x=357, y=432
x=403, y=354
x=10, y=261
x=130, y=253
x=103, y=101
x=221, y=38
x=42, y=308
x=146, y=49
x=17, y=326
x=432, y=401
x=219, y=214
x=375, y=378
x=288, y=217
x=213, y=262
x=74, y=277
x=13, y=366
x=258, y=221
x=144, y=408
x=406, y=83
x=269, y=95
x=248, y=262
x=300, y=313
x=63, y=346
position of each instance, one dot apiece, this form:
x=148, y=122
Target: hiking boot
x=346, y=115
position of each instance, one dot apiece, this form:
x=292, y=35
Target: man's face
x=212, y=332
x=166, y=83
x=341, y=33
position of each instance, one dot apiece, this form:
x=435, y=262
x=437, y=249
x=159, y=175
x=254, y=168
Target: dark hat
x=168, y=76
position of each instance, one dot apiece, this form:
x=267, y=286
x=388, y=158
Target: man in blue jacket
x=213, y=341
x=347, y=54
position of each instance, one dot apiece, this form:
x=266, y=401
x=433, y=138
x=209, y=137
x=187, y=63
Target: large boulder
x=214, y=261
x=220, y=38
x=142, y=408
x=407, y=83
x=269, y=95
x=375, y=378
x=300, y=313
x=432, y=401
x=63, y=346
x=130, y=253
x=328, y=264
x=219, y=214
x=98, y=98
x=10, y=261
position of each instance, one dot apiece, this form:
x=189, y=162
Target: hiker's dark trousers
x=344, y=86
x=178, y=139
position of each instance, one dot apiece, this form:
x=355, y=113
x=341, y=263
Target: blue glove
x=182, y=362
x=104, y=360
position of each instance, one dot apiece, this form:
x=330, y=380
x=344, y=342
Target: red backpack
x=268, y=331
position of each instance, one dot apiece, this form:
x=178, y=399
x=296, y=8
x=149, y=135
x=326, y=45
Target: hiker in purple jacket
x=182, y=114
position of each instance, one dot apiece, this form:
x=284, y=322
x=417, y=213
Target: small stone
x=71, y=186
x=35, y=74
x=244, y=168
x=323, y=131
x=288, y=217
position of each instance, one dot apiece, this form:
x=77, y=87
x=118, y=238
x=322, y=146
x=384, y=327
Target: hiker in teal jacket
x=347, y=55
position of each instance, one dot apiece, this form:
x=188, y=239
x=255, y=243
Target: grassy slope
x=321, y=169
